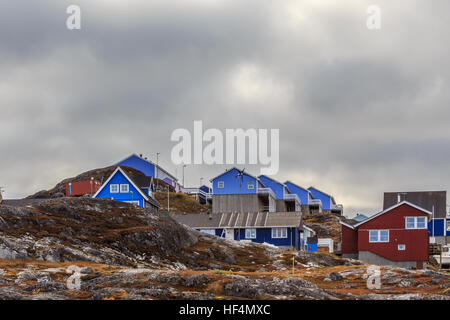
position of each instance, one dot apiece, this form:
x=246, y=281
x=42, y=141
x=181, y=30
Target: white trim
x=252, y=229
x=415, y=223
x=115, y=185
x=124, y=184
x=379, y=235
x=279, y=229
x=128, y=178
x=347, y=225
x=391, y=208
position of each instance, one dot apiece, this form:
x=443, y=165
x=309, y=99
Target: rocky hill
x=126, y=252
x=179, y=202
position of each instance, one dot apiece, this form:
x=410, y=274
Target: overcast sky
x=360, y=111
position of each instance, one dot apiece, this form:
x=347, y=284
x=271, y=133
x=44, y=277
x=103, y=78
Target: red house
x=81, y=188
x=396, y=236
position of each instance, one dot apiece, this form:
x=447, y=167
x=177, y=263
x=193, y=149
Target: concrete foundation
x=372, y=258
x=350, y=255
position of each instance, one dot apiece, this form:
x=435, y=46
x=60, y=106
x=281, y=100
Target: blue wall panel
x=302, y=193
x=232, y=183
x=326, y=199
x=119, y=179
x=438, y=227
x=140, y=164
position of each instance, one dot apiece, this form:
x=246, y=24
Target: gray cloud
x=359, y=112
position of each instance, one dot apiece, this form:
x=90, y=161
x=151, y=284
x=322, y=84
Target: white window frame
x=415, y=219
x=401, y=247
x=448, y=226
x=220, y=184
x=378, y=236
x=250, y=185
x=128, y=188
x=250, y=233
x=279, y=233
x=111, y=188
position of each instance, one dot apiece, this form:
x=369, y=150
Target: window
x=250, y=185
x=279, y=232
x=401, y=247
x=448, y=225
x=416, y=223
x=379, y=236
x=124, y=188
x=114, y=188
x=220, y=184
x=250, y=233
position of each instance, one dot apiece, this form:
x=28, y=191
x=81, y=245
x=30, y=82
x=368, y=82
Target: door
x=229, y=234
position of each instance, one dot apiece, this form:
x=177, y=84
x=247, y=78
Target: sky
x=360, y=111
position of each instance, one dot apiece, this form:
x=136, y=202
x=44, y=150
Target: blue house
x=327, y=200
x=124, y=187
x=150, y=169
x=282, y=229
x=306, y=197
x=236, y=190
x=285, y=199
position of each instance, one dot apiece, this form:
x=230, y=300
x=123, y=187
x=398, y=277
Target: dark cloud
x=359, y=112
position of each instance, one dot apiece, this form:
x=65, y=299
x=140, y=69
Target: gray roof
x=240, y=220
x=424, y=199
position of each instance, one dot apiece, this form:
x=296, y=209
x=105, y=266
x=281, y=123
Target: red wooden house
x=81, y=188
x=396, y=236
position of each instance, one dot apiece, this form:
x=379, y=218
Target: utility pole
x=157, y=169
x=201, y=181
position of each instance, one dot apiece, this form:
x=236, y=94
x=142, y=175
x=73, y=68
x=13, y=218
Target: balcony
x=292, y=197
x=337, y=207
x=266, y=191
x=315, y=202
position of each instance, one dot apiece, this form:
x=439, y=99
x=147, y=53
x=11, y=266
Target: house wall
x=232, y=203
x=140, y=164
x=349, y=241
x=276, y=187
x=232, y=184
x=119, y=178
x=326, y=199
x=439, y=227
x=80, y=188
x=416, y=241
x=303, y=194
x=265, y=235
x=280, y=206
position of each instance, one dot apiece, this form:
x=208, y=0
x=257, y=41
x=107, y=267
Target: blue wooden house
x=150, y=169
x=306, y=197
x=124, y=187
x=327, y=200
x=282, y=229
x=285, y=199
x=236, y=190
